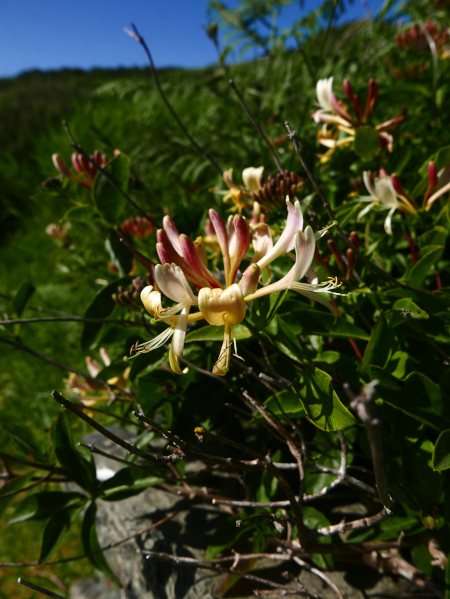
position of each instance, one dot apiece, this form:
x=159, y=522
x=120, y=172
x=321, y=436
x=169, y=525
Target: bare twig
x=364, y=406
x=65, y=403
x=320, y=575
x=257, y=127
x=110, y=180
x=69, y=319
x=44, y=479
x=17, y=344
x=105, y=548
x=197, y=563
x=346, y=526
x=46, y=592
x=137, y=36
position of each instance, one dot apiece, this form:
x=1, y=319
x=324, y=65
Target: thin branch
x=346, y=526
x=257, y=127
x=320, y=575
x=44, y=479
x=36, y=465
x=197, y=563
x=65, y=403
x=17, y=344
x=46, y=592
x=69, y=319
x=137, y=36
x=110, y=180
x=364, y=406
x=105, y=548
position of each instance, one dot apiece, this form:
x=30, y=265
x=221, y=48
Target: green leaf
x=416, y=395
x=40, y=506
x=16, y=484
x=421, y=270
x=107, y=199
x=322, y=405
x=101, y=306
x=410, y=306
x=90, y=543
x=75, y=466
x=435, y=236
x=119, y=254
x=441, y=453
x=22, y=298
x=304, y=320
x=288, y=400
x=264, y=310
x=366, y=143
x=378, y=349
x=127, y=482
x=56, y=530
x=213, y=333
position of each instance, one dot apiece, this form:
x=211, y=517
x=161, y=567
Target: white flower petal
x=172, y=282
x=286, y=241
x=251, y=177
x=387, y=222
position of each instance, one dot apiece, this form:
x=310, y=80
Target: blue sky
x=51, y=34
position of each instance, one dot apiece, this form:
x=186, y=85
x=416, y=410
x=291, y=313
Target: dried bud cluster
x=130, y=298
x=276, y=189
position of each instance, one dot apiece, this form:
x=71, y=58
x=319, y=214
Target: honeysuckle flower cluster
x=270, y=193
x=332, y=112
x=420, y=37
x=88, y=392
x=221, y=297
x=386, y=194
x=86, y=171
x=138, y=226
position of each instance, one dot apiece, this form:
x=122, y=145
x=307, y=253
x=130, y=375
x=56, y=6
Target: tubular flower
x=222, y=297
x=384, y=195
x=344, y=127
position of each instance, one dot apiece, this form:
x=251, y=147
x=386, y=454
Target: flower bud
x=249, y=280
x=219, y=306
x=60, y=166
x=333, y=247
x=351, y=259
x=354, y=238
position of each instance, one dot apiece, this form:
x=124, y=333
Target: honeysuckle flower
x=222, y=299
x=383, y=196
x=88, y=392
x=345, y=127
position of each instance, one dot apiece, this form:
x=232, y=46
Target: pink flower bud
x=372, y=95
x=194, y=262
x=339, y=110
x=60, y=166
x=432, y=174
x=348, y=90
x=432, y=182
x=354, y=238
x=77, y=164
x=249, y=280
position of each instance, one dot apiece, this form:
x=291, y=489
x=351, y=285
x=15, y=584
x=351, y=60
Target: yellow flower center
x=222, y=306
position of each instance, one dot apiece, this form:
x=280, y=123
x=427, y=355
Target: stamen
x=148, y=346
x=324, y=231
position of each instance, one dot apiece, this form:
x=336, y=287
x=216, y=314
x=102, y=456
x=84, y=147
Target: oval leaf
x=441, y=453
x=321, y=402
